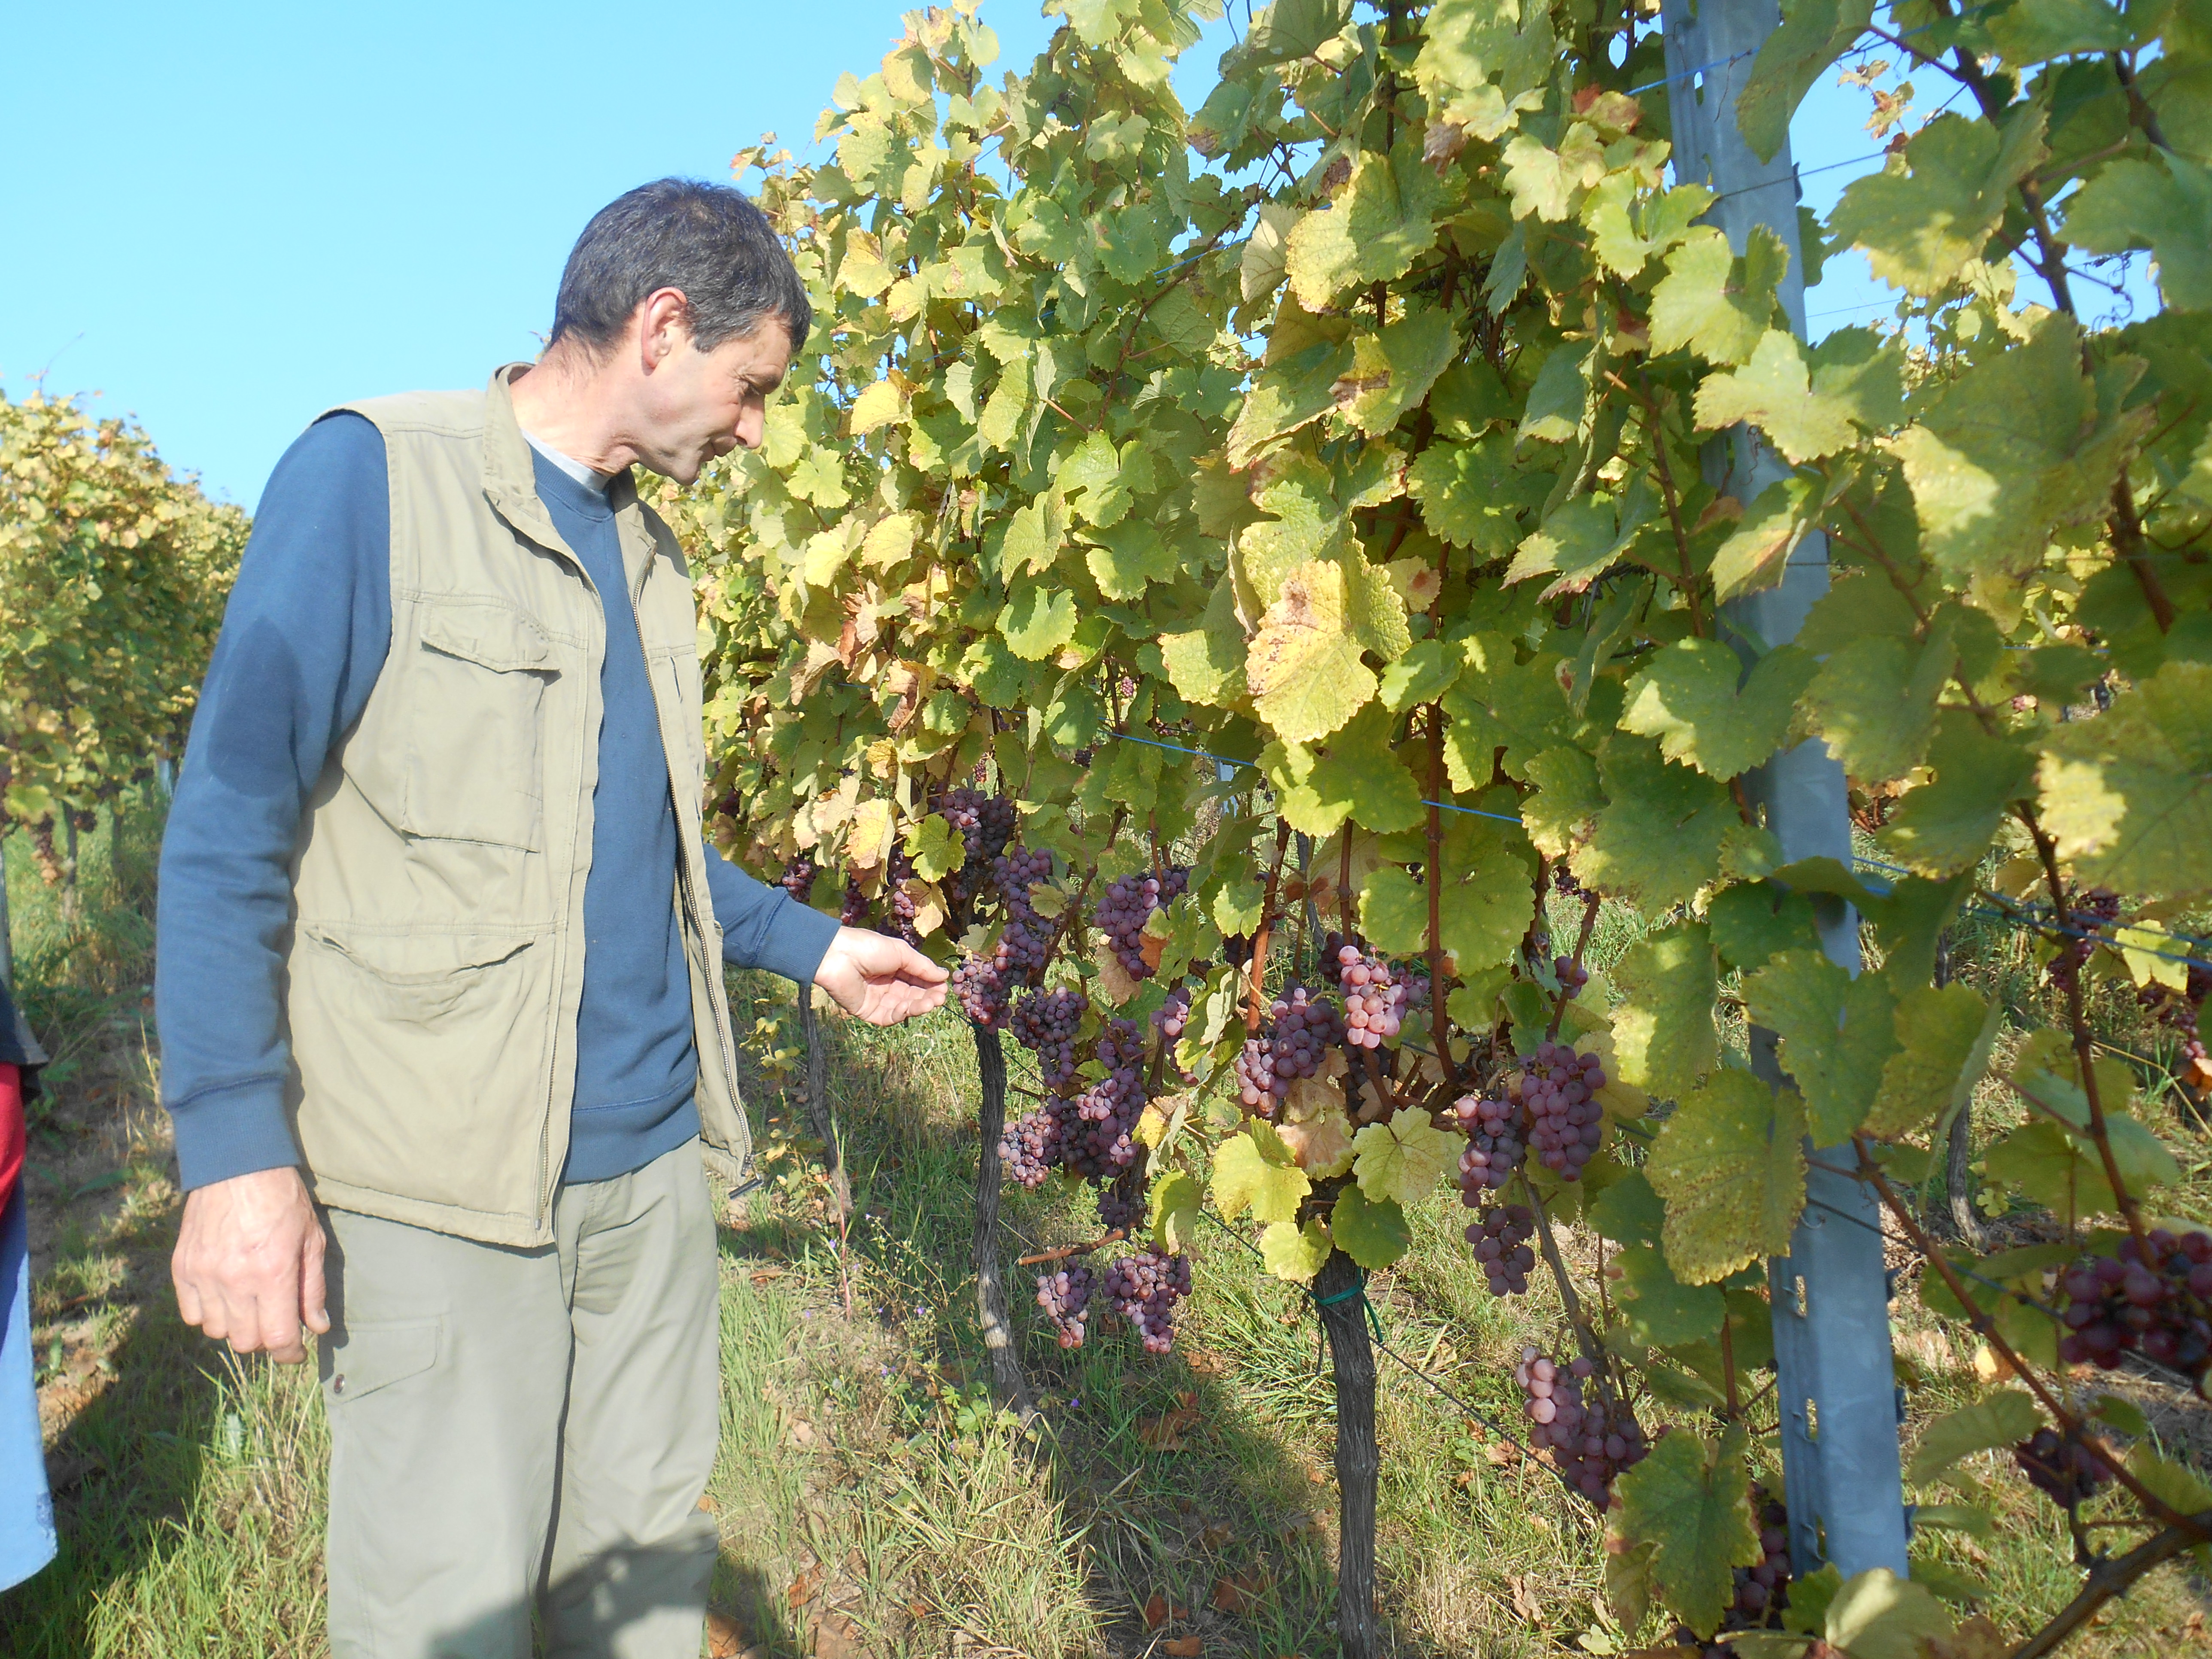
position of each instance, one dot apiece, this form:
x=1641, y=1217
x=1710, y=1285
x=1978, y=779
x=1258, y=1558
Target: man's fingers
x=313, y=1287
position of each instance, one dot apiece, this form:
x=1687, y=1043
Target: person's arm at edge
x=881, y=979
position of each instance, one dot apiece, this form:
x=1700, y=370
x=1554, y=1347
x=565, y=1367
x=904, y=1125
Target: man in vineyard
x=439, y=960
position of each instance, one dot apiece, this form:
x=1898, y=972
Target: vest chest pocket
x=474, y=769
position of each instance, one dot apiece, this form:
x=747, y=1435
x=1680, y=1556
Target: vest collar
x=510, y=477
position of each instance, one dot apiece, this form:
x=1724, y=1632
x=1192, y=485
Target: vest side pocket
x=476, y=692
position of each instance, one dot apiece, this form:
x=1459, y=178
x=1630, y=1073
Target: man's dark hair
x=708, y=240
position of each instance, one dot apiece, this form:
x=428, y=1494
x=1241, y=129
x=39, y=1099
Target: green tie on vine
x=1359, y=428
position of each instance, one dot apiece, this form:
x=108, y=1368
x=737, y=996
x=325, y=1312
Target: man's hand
x=881, y=979
x=249, y=1263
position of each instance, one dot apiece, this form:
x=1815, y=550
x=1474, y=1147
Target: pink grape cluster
x=1572, y=975
x=1589, y=1444
x=797, y=877
x=985, y=985
x=1765, y=1588
x=1374, y=1001
x=1566, y=1122
x=1501, y=1247
x=1090, y=1134
x=1493, y=1126
x=1299, y=1035
x=1046, y=1022
x=1128, y=903
x=1144, y=1288
x=986, y=824
x=2162, y=1305
x=1065, y=1296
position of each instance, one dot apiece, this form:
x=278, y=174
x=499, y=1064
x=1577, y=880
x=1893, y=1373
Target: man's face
x=701, y=405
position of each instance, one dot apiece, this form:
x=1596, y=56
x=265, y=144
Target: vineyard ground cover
x=868, y=1494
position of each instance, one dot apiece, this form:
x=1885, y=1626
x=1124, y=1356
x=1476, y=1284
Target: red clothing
x=11, y=1131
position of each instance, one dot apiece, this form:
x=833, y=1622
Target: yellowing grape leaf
x=1945, y=826
x=1404, y=1158
x=1128, y=556
x=1175, y=1201
x=1303, y=665
x=1287, y=394
x=1037, y=620
x=936, y=848
x=880, y=403
x=1374, y=230
x=1731, y=1166
x=1247, y=1176
x=1371, y=1232
x=1663, y=1035
x=1658, y=839
x=1567, y=801
x=1714, y=302
x=1756, y=552
x=1930, y=209
x=1689, y=1502
x=1206, y=664
x=1580, y=539
x=1294, y=1253
x=1837, y=1033
x=2129, y=795
x=1394, y=370
x=1687, y=696
x=1322, y=1143
x=1773, y=392
x=1944, y=1034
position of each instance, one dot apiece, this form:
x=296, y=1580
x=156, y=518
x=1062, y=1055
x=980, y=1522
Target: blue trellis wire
x=1984, y=910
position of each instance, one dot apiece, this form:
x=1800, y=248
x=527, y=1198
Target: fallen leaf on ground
x=707, y=1503
x=1238, y=1595
x=802, y=1432
x=1204, y=1363
x=726, y=1640
x=1183, y=1647
x=1524, y=1600
x=1160, y=1611
x=765, y=1275
x=1216, y=1535
x=806, y=1587
x=1164, y=1433
x=837, y=1637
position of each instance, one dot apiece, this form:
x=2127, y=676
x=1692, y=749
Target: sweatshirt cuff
x=233, y=1129
x=798, y=937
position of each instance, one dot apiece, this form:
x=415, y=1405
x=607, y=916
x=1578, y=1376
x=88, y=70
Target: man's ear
x=664, y=325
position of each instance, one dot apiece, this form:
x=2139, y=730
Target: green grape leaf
x=1294, y=28
x=1773, y=392
x=1755, y=920
x=1757, y=551
x=1392, y=371
x=2164, y=205
x=1944, y=1034
x=2128, y=796
x=1373, y=1233
x=2035, y=31
x=1304, y=666
x=1424, y=673
x=1206, y=664
x=1371, y=232
x=1359, y=775
x=1628, y=1212
x=1944, y=826
x=1247, y=1176
x=1874, y=700
x=1662, y=1035
x=1926, y=213
x=1034, y=535
x=1837, y=1033
x=1537, y=179
x=1288, y=393
x=1175, y=1202
x=936, y=848
x=1731, y=1166
x=1294, y=1253
x=1687, y=696
x=1658, y=839
x=1662, y=1312
x=2174, y=1484
x=1567, y=801
x=1689, y=1501
x=1713, y=302
x=1038, y=619
x=2003, y=1418
x=1404, y=1158
x=1813, y=34
x=1469, y=399
x=1581, y=539
x=2021, y=442
x=1878, y=1615
x=1558, y=405
x=1128, y=557
x=1471, y=495
x=1484, y=910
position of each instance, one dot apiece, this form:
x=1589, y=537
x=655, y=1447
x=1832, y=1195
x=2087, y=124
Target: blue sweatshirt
x=303, y=640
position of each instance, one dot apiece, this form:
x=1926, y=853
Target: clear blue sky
x=225, y=219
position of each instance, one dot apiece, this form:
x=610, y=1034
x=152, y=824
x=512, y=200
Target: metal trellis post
x=1837, y=1385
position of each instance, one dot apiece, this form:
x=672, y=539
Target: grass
x=871, y=1500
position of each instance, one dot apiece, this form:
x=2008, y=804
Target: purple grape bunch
x=1375, y=999
x=1128, y=903
x=1121, y=1205
x=2158, y=1303
x=1558, y=1089
x=986, y=824
x=1301, y=1031
x=1501, y=1247
x=1092, y=1133
x=1494, y=1127
x=1065, y=1296
x=1046, y=1022
x=2089, y=915
x=1144, y=1288
x=1572, y=976
x=985, y=985
x=797, y=877
x=1590, y=1442
x=2065, y=1471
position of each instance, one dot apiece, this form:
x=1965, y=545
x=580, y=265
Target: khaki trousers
x=515, y=1429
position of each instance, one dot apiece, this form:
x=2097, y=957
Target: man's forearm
x=763, y=926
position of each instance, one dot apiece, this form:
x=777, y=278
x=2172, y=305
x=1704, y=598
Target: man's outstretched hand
x=249, y=1263
x=881, y=979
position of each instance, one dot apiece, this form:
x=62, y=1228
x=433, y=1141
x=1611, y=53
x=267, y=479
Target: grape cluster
x=854, y=908
x=2162, y=1305
x=1589, y=1443
x=1128, y=903
x=902, y=905
x=1496, y=1143
x=1303, y=1029
x=2181, y=1010
x=1097, y=1143
x=2090, y=913
x=986, y=985
x=1564, y=880
x=1374, y=1001
x=986, y=824
x=1566, y=1123
x=1121, y=1206
x=1065, y=1296
x=1030, y=1147
x=1501, y=1247
x=1172, y=1017
x=1144, y=1288
x=1764, y=1589
x=1046, y=1022
x=1572, y=975
x=2065, y=1471
x=797, y=877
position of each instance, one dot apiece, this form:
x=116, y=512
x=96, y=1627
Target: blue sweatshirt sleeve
x=764, y=927
x=304, y=638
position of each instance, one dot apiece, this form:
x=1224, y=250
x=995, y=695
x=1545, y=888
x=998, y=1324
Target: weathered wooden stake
x=1007, y=1381
x=1339, y=1300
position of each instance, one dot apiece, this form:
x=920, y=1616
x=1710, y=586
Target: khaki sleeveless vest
x=436, y=956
